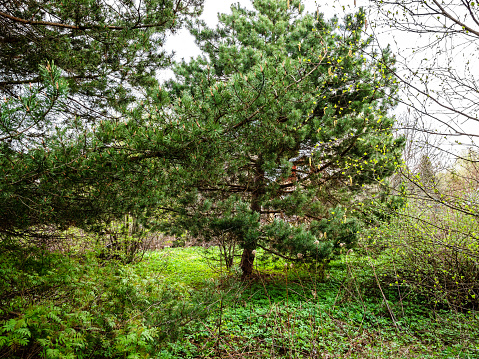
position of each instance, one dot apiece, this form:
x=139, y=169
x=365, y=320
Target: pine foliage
x=290, y=119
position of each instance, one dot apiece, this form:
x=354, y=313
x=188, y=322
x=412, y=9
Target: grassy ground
x=288, y=312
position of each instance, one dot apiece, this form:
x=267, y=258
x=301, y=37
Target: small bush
x=434, y=252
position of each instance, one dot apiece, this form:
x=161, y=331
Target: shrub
x=61, y=307
x=433, y=251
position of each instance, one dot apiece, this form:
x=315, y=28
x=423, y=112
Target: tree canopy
x=105, y=50
x=66, y=67
x=289, y=121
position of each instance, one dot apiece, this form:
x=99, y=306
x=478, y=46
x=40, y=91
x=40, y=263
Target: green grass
x=289, y=312
x=181, y=266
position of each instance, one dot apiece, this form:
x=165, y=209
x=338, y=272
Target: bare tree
x=437, y=47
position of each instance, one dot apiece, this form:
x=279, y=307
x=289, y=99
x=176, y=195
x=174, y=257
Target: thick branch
x=454, y=19
x=80, y=27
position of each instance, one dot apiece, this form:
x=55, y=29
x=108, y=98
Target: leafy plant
x=61, y=307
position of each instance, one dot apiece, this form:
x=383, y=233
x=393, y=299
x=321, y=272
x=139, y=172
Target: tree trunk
x=247, y=260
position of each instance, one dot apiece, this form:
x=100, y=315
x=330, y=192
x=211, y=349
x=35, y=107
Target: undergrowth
x=289, y=312
x=174, y=305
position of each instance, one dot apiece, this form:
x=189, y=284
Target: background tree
x=290, y=120
x=427, y=174
x=439, y=88
x=437, y=70
x=437, y=73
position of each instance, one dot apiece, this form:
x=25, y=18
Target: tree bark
x=247, y=260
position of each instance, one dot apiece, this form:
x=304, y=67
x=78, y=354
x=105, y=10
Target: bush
x=433, y=251
x=60, y=307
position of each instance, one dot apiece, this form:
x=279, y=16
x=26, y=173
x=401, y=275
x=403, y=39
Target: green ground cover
x=289, y=312
x=179, y=303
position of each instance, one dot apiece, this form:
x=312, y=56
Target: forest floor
x=287, y=311
x=181, y=303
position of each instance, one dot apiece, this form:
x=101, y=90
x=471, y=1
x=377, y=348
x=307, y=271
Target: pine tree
x=284, y=117
x=70, y=71
x=107, y=52
x=426, y=173
x=54, y=175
